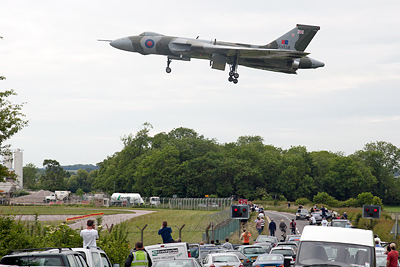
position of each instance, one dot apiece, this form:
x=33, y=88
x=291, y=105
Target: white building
x=14, y=162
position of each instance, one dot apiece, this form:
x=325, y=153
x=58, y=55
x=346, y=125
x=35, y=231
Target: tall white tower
x=14, y=162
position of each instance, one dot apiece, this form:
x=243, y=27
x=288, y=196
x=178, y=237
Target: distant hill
x=76, y=167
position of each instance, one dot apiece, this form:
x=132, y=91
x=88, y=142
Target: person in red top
x=392, y=256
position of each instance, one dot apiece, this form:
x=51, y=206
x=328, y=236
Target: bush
x=302, y=201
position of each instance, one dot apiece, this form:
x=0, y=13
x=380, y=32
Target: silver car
x=222, y=260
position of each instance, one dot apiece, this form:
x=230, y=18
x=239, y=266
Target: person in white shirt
x=324, y=222
x=89, y=235
x=313, y=220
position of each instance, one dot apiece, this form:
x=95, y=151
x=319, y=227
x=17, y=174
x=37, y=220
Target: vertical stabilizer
x=296, y=39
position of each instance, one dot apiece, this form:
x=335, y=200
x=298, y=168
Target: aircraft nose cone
x=317, y=64
x=123, y=44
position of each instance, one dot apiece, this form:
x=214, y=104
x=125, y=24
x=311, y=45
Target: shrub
x=302, y=201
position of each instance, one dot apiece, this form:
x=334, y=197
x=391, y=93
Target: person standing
x=138, y=257
x=227, y=245
x=313, y=221
x=165, y=233
x=272, y=227
x=258, y=225
x=345, y=215
x=245, y=237
x=89, y=235
x=324, y=222
x=392, y=256
x=293, y=227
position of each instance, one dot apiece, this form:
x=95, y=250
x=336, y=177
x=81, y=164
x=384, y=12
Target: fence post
x=141, y=230
x=180, y=230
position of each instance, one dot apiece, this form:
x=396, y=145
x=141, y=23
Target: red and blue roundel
x=149, y=43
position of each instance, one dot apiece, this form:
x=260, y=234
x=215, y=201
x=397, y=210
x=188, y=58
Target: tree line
x=185, y=163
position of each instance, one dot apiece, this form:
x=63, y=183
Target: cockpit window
x=150, y=34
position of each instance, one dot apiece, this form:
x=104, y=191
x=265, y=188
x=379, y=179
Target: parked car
x=340, y=223
x=266, y=246
x=189, y=262
x=267, y=238
x=95, y=257
x=288, y=253
x=302, y=214
x=293, y=245
x=243, y=259
x=53, y=257
x=221, y=260
x=318, y=216
x=251, y=251
x=269, y=260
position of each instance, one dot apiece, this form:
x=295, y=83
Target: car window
x=81, y=261
x=225, y=258
x=104, y=260
x=284, y=252
x=255, y=250
x=71, y=261
x=34, y=261
x=96, y=259
x=270, y=257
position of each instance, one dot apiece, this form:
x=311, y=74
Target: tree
x=54, y=176
x=29, y=174
x=11, y=122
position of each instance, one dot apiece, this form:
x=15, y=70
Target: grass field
x=58, y=210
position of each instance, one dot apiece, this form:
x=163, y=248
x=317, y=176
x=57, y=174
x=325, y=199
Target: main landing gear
x=233, y=75
x=168, y=69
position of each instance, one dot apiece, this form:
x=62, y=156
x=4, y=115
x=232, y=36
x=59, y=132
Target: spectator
x=377, y=245
x=89, y=235
x=377, y=239
x=313, y=221
x=245, y=237
x=392, y=257
x=324, y=222
x=293, y=227
x=258, y=225
x=217, y=243
x=227, y=245
x=212, y=243
x=272, y=227
x=165, y=233
x=262, y=224
x=138, y=257
x=323, y=210
x=345, y=215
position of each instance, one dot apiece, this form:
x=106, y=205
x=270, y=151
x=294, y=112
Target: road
x=287, y=217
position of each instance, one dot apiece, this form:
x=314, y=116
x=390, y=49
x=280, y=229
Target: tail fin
x=296, y=39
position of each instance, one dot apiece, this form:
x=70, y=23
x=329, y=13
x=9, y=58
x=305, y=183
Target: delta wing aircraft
x=285, y=54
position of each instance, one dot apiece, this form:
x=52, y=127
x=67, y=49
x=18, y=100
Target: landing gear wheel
x=235, y=81
x=236, y=75
x=233, y=75
x=168, y=70
x=230, y=79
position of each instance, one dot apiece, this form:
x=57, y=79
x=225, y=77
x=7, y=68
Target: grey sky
x=83, y=95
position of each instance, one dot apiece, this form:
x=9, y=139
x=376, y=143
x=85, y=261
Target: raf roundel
x=149, y=43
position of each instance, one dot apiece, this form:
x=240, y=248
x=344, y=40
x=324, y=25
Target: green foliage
x=302, y=201
x=116, y=244
x=365, y=198
x=54, y=176
x=11, y=122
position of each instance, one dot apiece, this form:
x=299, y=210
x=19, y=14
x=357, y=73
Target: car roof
x=338, y=235
x=47, y=251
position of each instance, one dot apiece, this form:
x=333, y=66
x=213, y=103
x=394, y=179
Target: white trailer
x=132, y=198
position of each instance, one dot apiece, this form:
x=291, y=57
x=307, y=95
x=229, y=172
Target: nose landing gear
x=168, y=69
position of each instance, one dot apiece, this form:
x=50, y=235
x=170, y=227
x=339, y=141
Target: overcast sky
x=82, y=95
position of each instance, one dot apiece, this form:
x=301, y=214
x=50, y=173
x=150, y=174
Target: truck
x=57, y=196
x=126, y=198
x=169, y=251
x=155, y=201
x=335, y=246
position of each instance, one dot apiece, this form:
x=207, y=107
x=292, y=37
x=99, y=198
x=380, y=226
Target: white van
x=155, y=201
x=335, y=246
x=169, y=251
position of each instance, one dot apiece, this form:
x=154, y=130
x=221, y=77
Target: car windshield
x=265, y=239
x=254, y=250
x=340, y=223
x=270, y=257
x=174, y=263
x=284, y=252
x=225, y=258
x=340, y=254
x=34, y=261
